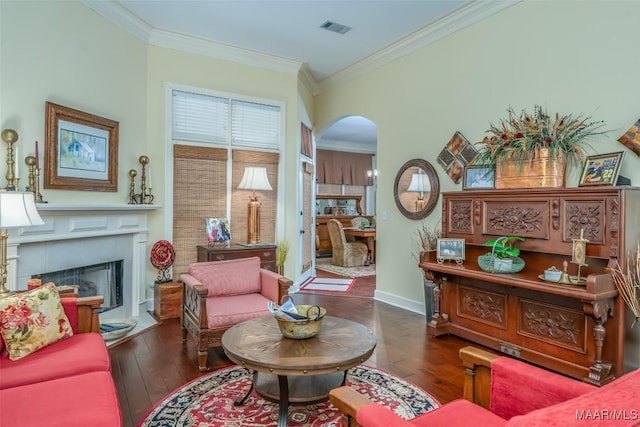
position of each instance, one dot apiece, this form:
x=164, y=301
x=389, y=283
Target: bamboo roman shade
x=240, y=198
x=306, y=146
x=199, y=192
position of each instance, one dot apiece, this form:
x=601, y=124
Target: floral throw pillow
x=32, y=320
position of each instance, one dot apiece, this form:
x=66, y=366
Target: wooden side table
x=167, y=298
x=266, y=253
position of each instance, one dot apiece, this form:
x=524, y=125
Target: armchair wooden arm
x=348, y=401
x=477, y=380
x=88, y=309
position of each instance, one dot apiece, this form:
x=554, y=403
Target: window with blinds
x=241, y=134
x=211, y=119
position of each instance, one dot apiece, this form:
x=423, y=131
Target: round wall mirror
x=416, y=189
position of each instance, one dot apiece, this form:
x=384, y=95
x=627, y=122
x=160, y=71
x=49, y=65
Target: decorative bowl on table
x=552, y=274
x=307, y=326
x=494, y=264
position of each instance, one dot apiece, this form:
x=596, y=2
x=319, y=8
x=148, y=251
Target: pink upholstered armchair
x=501, y=391
x=220, y=294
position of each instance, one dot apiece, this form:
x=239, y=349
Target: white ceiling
x=288, y=32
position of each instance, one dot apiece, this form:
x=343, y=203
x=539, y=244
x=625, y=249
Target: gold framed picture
x=81, y=150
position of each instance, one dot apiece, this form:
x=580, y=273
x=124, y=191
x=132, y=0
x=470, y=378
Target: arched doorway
x=346, y=181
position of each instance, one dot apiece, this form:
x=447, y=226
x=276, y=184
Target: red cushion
x=615, y=404
x=536, y=388
x=78, y=401
x=457, y=413
x=75, y=355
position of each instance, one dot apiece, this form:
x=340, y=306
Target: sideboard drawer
x=267, y=254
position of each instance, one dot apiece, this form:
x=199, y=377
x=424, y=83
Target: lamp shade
x=18, y=209
x=255, y=179
x=419, y=183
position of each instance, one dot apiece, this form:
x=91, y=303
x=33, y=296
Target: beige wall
x=168, y=67
x=568, y=56
x=65, y=53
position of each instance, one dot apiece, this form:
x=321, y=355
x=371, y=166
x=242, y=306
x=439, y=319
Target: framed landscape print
x=602, y=169
x=81, y=150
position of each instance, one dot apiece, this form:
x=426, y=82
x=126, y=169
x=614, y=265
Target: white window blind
x=200, y=118
x=255, y=125
x=207, y=118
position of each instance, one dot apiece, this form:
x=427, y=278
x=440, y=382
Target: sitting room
x=182, y=158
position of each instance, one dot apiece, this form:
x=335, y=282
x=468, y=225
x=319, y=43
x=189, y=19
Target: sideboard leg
x=439, y=323
x=600, y=372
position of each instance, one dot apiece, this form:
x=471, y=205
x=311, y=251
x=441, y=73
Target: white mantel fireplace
x=80, y=235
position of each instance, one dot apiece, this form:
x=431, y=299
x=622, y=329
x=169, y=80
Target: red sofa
x=501, y=391
x=67, y=383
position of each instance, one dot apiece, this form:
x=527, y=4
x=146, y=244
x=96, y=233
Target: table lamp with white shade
x=17, y=209
x=420, y=184
x=255, y=178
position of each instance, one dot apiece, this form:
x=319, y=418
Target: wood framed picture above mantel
x=81, y=150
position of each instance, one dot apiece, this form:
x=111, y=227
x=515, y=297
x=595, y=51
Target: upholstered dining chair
x=345, y=254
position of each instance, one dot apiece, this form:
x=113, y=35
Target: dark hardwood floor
x=149, y=366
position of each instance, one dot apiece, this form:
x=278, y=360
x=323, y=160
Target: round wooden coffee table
x=291, y=371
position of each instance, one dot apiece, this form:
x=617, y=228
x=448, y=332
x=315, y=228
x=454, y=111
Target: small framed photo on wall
x=478, y=177
x=602, y=169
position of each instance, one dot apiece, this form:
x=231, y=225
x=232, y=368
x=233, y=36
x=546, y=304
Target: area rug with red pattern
x=208, y=401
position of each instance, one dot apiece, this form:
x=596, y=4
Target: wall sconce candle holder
x=144, y=197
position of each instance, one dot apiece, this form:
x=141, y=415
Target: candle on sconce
x=16, y=162
x=37, y=157
x=149, y=177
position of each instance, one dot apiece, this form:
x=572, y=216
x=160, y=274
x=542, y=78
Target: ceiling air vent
x=336, y=28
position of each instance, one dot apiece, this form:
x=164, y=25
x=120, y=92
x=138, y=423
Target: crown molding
x=453, y=22
x=140, y=29
x=305, y=77
x=223, y=51
x=121, y=17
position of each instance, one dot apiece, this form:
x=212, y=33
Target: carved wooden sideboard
x=577, y=330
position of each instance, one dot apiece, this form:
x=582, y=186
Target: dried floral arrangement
x=427, y=239
x=627, y=281
x=520, y=136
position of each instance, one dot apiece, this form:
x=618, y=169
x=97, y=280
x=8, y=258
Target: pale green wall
x=64, y=53
x=168, y=66
x=568, y=56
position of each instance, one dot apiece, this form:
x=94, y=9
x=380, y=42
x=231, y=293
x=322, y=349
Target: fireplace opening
x=100, y=279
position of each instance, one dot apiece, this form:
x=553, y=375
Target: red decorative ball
x=162, y=254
